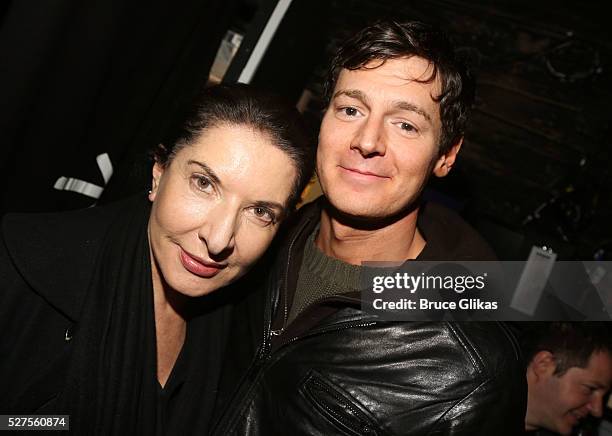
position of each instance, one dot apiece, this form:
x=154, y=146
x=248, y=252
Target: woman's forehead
x=244, y=159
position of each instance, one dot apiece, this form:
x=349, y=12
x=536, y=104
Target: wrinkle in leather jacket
x=339, y=371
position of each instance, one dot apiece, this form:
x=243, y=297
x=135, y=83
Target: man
x=568, y=375
x=398, y=104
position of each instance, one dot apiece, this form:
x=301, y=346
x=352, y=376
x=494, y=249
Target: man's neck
x=396, y=241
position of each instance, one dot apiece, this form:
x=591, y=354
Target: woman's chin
x=194, y=286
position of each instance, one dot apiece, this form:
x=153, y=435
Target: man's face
x=379, y=137
x=564, y=400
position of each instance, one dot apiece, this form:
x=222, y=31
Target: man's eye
x=349, y=111
x=407, y=127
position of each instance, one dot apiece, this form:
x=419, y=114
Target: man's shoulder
x=470, y=365
x=479, y=344
x=491, y=345
x=450, y=237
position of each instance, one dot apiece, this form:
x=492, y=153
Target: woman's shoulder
x=55, y=253
x=55, y=225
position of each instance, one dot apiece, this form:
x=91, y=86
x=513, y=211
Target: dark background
x=80, y=79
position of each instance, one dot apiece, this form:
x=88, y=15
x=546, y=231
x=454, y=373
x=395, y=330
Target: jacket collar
x=448, y=237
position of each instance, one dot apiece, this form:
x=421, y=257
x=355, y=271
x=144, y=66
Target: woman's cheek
x=253, y=245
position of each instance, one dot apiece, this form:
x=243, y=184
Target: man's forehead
x=399, y=79
x=598, y=370
x=405, y=69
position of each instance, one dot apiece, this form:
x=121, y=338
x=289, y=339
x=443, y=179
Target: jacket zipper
x=332, y=328
x=264, y=353
x=283, y=282
x=264, y=356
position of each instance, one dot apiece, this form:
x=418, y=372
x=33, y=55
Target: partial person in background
x=398, y=103
x=111, y=314
x=568, y=374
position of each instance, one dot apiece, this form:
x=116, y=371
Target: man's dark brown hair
x=385, y=40
x=571, y=343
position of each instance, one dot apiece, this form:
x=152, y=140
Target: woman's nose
x=218, y=230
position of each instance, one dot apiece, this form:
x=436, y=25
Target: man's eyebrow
x=407, y=106
x=400, y=104
x=208, y=170
x=600, y=385
x=353, y=93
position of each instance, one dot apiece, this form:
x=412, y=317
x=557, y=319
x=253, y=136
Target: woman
x=105, y=313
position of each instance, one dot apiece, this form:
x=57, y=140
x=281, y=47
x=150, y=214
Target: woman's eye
x=264, y=215
x=202, y=183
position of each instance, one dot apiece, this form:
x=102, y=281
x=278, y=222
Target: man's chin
x=566, y=427
x=366, y=214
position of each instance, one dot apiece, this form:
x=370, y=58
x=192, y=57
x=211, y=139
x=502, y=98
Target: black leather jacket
x=336, y=370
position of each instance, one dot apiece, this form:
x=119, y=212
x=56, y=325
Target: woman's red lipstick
x=198, y=266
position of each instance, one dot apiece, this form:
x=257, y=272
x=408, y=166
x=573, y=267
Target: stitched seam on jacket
x=454, y=406
x=469, y=348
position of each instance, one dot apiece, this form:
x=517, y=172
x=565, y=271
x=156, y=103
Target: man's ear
x=156, y=173
x=447, y=160
x=543, y=364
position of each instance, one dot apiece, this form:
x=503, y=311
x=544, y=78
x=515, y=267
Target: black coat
x=46, y=262
x=339, y=371
x=77, y=332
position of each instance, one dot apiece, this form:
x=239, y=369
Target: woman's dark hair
x=388, y=39
x=239, y=104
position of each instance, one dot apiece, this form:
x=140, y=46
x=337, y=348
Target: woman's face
x=216, y=208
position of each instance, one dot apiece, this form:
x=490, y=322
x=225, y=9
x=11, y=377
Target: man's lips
x=198, y=266
x=363, y=173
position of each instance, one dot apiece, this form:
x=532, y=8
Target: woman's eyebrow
x=208, y=170
x=269, y=205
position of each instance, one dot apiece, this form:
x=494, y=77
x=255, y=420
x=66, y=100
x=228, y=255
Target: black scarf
x=111, y=386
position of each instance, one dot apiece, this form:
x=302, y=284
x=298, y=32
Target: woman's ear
x=156, y=173
x=445, y=162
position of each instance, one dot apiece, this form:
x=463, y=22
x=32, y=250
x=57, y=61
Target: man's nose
x=219, y=230
x=370, y=138
x=596, y=406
